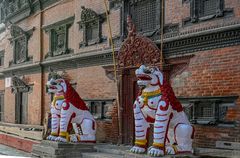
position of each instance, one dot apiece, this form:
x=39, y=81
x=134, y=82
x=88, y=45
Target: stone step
x=111, y=149
x=61, y=150
x=101, y=155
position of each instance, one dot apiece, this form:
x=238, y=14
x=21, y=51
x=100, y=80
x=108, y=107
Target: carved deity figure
x=158, y=105
x=69, y=111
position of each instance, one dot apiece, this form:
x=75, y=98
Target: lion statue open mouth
x=158, y=105
x=68, y=110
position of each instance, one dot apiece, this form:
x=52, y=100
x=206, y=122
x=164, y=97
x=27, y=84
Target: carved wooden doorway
x=135, y=51
x=21, y=108
x=20, y=89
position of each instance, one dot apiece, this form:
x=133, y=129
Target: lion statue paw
x=51, y=137
x=137, y=150
x=155, y=152
x=61, y=139
x=170, y=150
x=74, y=138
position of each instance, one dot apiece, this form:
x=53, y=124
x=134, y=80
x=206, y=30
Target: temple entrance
x=129, y=93
x=135, y=51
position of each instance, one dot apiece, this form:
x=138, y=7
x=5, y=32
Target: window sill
x=215, y=124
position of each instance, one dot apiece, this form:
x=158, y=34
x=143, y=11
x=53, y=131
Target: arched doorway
x=135, y=51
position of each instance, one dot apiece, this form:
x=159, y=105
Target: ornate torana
x=18, y=85
x=90, y=24
x=137, y=50
x=88, y=15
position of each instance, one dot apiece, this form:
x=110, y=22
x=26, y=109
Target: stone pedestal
x=52, y=149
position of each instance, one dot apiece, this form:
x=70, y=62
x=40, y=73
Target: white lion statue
x=69, y=110
x=158, y=105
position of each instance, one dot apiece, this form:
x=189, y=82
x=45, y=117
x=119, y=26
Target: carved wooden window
x=20, y=44
x=206, y=9
x=99, y=108
x=1, y=106
x=90, y=24
x=144, y=14
x=58, y=37
x=15, y=9
x=2, y=58
x=209, y=110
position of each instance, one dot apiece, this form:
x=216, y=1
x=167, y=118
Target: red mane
x=168, y=94
x=71, y=96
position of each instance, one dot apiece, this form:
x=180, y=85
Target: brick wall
x=213, y=73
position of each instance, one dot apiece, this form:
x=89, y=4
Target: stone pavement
x=8, y=152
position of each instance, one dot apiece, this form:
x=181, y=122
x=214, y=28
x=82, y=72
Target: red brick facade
x=211, y=72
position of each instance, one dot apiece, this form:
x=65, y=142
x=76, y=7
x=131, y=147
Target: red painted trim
x=150, y=107
x=164, y=108
x=67, y=106
x=150, y=119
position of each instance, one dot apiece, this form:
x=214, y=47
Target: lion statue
x=158, y=105
x=69, y=111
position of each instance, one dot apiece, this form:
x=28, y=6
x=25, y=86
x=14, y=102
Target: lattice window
x=144, y=14
x=204, y=111
x=99, y=108
x=208, y=110
x=206, y=9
